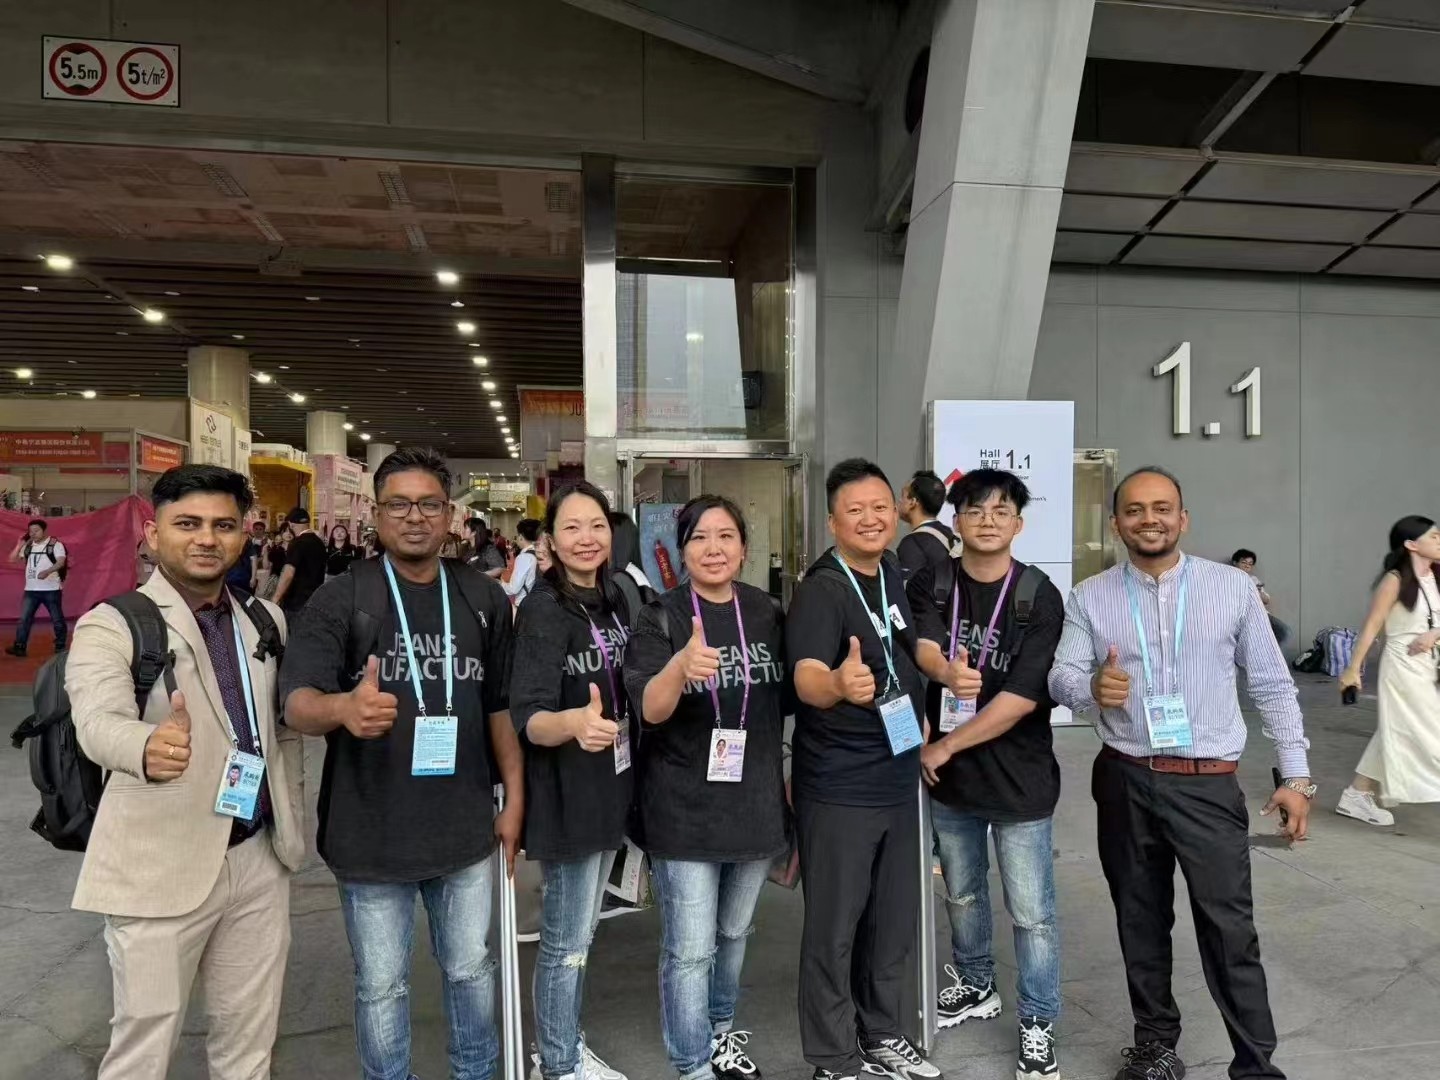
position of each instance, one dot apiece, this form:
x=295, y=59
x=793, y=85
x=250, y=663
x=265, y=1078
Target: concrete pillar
x=325, y=432
x=220, y=376
x=1004, y=79
x=376, y=452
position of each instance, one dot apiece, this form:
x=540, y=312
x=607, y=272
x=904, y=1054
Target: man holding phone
x=44, y=558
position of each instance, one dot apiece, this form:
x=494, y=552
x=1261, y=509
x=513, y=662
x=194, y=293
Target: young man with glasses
x=403, y=664
x=991, y=766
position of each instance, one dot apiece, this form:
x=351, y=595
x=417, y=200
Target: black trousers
x=1149, y=821
x=859, y=867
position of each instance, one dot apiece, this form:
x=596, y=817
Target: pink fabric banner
x=100, y=549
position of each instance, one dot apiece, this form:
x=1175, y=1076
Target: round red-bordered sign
x=165, y=62
x=73, y=48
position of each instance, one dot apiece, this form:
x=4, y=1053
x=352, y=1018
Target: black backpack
x=1022, y=599
x=70, y=784
x=49, y=552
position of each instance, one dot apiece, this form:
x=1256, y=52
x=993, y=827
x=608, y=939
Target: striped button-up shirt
x=1225, y=628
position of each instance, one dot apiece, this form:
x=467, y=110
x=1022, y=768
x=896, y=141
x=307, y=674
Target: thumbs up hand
x=592, y=730
x=854, y=681
x=1111, y=685
x=372, y=712
x=963, y=680
x=167, y=750
x=698, y=662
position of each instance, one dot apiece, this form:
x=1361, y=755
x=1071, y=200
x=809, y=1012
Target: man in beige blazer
x=187, y=885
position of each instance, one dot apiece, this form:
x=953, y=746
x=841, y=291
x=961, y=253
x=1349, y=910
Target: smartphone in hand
x=1279, y=783
x=1349, y=695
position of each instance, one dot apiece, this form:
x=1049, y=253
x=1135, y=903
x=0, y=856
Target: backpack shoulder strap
x=152, y=658
x=1031, y=578
x=271, y=643
x=368, y=610
x=477, y=588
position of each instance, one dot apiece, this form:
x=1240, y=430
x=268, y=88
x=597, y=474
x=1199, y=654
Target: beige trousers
x=236, y=941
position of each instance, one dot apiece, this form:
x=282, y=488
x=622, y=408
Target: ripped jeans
x=571, y=892
x=1027, y=873
x=705, y=910
x=380, y=922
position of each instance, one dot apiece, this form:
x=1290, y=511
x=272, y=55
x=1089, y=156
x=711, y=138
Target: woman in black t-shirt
x=567, y=698
x=705, y=666
x=340, y=552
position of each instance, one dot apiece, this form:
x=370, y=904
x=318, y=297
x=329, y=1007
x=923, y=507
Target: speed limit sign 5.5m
x=127, y=72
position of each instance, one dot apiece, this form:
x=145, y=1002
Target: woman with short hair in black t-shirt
x=706, y=667
x=567, y=698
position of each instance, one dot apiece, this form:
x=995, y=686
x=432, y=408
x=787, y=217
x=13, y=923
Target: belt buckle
x=1150, y=763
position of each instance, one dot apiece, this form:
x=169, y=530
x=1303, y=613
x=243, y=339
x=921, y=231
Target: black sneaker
x=728, y=1058
x=1151, y=1061
x=1037, y=1050
x=865, y=1070
x=898, y=1059
x=965, y=1000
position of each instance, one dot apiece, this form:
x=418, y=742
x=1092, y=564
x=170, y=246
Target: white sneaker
x=1361, y=806
x=592, y=1068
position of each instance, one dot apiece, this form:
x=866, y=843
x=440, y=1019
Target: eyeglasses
x=400, y=508
x=1000, y=515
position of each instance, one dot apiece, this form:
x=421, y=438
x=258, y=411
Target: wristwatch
x=1301, y=787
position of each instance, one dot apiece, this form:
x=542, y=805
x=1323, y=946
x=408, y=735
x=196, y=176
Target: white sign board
x=240, y=456
x=212, y=439
x=127, y=72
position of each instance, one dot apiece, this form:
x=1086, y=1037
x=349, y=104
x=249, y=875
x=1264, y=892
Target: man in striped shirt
x=1150, y=649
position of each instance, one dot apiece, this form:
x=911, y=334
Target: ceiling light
x=515, y=453
x=353, y=340
x=171, y=292
x=488, y=384
x=504, y=431
x=284, y=367
x=348, y=426
x=501, y=419
x=238, y=337
x=447, y=277
x=262, y=376
x=466, y=328
x=365, y=435
x=298, y=399
x=24, y=373
x=87, y=394
x=496, y=403
x=30, y=288
x=694, y=335
x=153, y=315
x=480, y=361
x=60, y=262
x=312, y=298
x=122, y=333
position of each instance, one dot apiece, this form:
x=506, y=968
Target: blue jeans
x=570, y=896
x=705, y=911
x=1027, y=872
x=33, y=599
x=380, y=922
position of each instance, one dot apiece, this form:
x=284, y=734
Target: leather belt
x=1178, y=765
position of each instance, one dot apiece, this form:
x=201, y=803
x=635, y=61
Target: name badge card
x=727, y=756
x=955, y=712
x=622, y=747
x=240, y=786
x=901, y=726
x=1168, y=722
x=434, y=751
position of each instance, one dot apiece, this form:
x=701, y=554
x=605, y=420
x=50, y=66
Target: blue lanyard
x=885, y=642
x=245, y=684
x=410, y=647
x=1140, y=629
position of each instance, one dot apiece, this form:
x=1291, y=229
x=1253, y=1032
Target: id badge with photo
x=1167, y=722
x=434, y=752
x=727, y=756
x=901, y=726
x=954, y=711
x=240, y=785
x=622, y=748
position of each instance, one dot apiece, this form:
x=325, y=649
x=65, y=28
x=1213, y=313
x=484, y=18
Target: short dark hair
x=40, y=522
x=928, y=490
x=1243, y=553
x=976, y=486
x=174, y=484
x=413, y=459
x=691, y=513
x=529, y=528
x=475, y=524
x=624, y=540
x=1145, y=470
x=848, y=472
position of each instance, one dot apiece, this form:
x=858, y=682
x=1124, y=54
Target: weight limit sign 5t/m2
x=115, y=72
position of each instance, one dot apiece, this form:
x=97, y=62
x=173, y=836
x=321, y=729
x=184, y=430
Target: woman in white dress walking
x=1402, y=762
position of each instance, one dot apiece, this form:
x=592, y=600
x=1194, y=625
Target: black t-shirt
x=923, y=551
x=1014, y=777
x=239, y=575
x=338, y=560
x=307, y=556
x=682, y=814
x=575, y=802
x=842, y=754
x=377, y=822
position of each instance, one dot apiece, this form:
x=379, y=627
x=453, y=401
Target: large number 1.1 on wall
x=1178, y=362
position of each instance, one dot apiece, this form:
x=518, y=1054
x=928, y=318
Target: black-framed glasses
x=400, y=508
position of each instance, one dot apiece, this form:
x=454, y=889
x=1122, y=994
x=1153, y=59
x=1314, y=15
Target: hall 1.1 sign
x=123, y=72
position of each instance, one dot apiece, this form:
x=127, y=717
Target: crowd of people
x=608, y=712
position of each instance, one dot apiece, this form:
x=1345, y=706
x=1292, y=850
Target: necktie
x=220, y=644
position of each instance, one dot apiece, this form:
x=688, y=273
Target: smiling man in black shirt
x=403, y=666
x=991, y=765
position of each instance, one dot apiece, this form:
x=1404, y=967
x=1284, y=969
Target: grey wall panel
x=1065, y=366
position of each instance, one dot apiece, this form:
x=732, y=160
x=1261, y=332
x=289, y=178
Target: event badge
x=622, y=747
x=1167, y=721
x=727, y=755
x=240, y=786
x=901, y=726
x=954, y=711
x=434, y=751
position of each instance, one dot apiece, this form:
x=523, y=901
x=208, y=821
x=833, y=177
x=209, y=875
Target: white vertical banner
x=211, y=435
x=241, y=455
x=1035, y=440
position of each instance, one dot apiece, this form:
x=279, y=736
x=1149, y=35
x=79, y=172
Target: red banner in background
x=51, y=448
x=100, y=551
x=157, y=455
